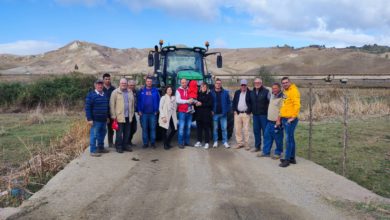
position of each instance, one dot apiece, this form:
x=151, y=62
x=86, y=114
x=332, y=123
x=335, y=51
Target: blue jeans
x=270, y=135
x=290, y=141
x=185, y=120
x=220, y=118
x=97, y=133
x=148, y=122
x=259, y=124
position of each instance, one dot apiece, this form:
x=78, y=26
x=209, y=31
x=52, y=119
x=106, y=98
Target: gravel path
x=191, y=184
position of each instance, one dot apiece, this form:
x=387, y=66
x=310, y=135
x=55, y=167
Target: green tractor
x=173, y=63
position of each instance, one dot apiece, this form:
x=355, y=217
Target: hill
x=93, y=58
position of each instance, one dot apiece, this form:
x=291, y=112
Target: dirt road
x=191, y=183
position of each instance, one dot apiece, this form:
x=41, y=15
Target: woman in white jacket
x=168, y=118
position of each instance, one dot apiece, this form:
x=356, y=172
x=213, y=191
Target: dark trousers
x=110, y=132
x=203, y=127
x=122, y=135
x=167, y=136
x=133, y=129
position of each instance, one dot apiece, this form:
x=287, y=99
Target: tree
x=266, y=76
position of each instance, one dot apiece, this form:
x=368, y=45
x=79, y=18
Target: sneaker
x=103, y=151
x=206, y=146
x=285, y=163
x=119, y=150
x=198, y=144
x=261, y=154
x=276, y=157
x=293, y=161
x=95, y=154
x=215, y=144
x=145, y=146
x=254, y=150
x=226, y=145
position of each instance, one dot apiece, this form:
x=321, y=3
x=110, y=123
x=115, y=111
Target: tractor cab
x=173, y=63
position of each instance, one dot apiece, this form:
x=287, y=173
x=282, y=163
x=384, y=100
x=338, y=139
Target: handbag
x=115, y=125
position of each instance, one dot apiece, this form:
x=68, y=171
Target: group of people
x=273, y=113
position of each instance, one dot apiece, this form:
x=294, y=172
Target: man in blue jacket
x=98, y=114
x=148, y=105
x=221, y=107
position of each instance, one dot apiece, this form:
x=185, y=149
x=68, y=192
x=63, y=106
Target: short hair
x=205, y=84
x=183, y=79
x=285, y=78
x=258, y=79
x=218, y=79
x=276, y=84
x=132, y=81
x=106, y=75
x=166, y=89
x=122, y=80
x=148, y=77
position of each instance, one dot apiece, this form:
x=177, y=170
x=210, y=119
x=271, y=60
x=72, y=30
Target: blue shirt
x=148, y=102
x=126, y=101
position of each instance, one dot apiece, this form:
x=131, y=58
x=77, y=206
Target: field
x=368, y=153
x=23, y=135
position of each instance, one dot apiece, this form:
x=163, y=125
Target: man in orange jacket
x=288, y=116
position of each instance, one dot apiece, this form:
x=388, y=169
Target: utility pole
x=345, y=123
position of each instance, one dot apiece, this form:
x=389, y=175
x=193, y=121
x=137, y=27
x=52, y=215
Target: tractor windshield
x=180, y=60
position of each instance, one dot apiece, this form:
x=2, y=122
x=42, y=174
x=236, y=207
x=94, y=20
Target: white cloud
x=27, y=47
x=335, y=21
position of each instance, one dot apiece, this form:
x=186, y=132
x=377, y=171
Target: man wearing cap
x=242, y=111
x=122, y=110
x=97, y=113
x=108, y=88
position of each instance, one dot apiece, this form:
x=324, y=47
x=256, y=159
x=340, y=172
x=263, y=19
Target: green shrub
x=66, y=90
x=9, y=93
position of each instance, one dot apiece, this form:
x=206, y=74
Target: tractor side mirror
x=156, y=61
x=219, y=61
x=150, y=59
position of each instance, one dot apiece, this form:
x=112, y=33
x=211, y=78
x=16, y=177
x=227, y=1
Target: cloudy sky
x=36, y=26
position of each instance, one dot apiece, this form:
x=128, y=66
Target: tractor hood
x=190, y=75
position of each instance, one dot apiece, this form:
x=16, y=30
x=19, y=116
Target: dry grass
x=45, y=163
x=36, y=117
x=329, y=103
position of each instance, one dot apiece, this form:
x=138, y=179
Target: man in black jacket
x=242, y=111
x=107, y=89
x=260, y=97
